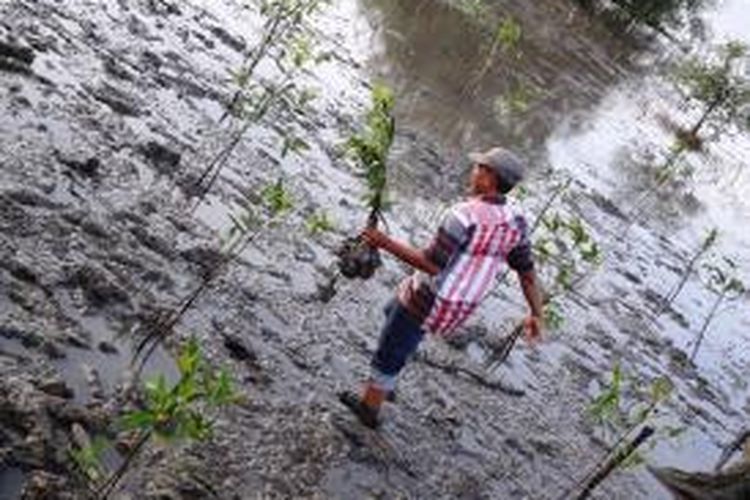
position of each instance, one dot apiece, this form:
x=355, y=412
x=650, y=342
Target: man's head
x=495, y=171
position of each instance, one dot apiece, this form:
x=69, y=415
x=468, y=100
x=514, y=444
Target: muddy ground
x=110, y=111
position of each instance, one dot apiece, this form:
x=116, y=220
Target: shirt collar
x=494, y=199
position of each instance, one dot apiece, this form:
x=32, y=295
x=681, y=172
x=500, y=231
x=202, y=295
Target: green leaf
x=143, y=420
x=509, y=34
x=189, y=358
x=606, y=406
x=276, y=198
x=553, y=316
x=661, y=389
x=371, y=146
x=318, y=223
x=294, y=145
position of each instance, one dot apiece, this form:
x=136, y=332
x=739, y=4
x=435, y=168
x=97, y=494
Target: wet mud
x=110, y=111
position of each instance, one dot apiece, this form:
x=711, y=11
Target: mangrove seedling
x=723, y=282
x=372, y=145
x=370, y=148
x=607, y=409
x=319, y=222
x=719, y=86
x=287, y=42
x=707, y=243
x=185, y=411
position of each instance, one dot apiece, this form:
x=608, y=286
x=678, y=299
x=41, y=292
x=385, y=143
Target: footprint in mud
x=98, y=290
x=373, y=447
x=16, y=58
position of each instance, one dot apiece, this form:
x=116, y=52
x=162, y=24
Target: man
x=454, y=273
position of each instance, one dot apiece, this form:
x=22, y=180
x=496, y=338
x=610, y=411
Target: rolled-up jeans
x=399, y=339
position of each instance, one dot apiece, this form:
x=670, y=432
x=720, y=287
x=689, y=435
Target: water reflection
x=437, y=58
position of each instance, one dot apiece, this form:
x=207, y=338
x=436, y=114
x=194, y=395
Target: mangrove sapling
x=614, y=461
x=665, y=172
x=720, y=87
x=87, y=457
x=726, y=286
x=287, y=43
x=285, y=31
x=277, y=202
x=506, y=40
x=572, y=252
x=182, y=413
x=516, y=101
x=606, y=409
x=370, y=148
x=706, y=245
x=658, y=15
x=319, y=222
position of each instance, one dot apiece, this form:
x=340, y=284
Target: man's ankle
x=373, y=396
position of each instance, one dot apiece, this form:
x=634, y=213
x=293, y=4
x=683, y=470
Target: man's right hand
x=375, y=238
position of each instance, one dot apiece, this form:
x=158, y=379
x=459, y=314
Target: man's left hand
x=532, y=327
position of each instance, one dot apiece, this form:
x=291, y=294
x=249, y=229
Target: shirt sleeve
x=520, y=258
x=451, y=235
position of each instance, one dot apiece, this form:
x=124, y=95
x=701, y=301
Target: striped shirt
x=475, y=240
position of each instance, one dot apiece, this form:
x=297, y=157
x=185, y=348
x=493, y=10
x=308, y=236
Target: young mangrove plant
x=319, y=222
x=517, y=101
x=370, y=149
x=181, y=413
x=723, y=282
x=372, y=146
x=708, y=242
x=718, y=86
x=638, y=421
x=250, y=222
x=279, y=100
x=659, y=15
x=567, y=249
x=505, y=40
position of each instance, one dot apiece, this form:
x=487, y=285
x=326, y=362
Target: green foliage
x=472, y=8
x=566, y=244
x=318, y=222
x=300, y=51
x=508, y=35
x=520, y=192
x=606, y=406
x=654, y=13
x=88, y=459
x=293, y=144
x=564, y=277
x=517, y=100
x=276, y=198
x=710, y=240
x=553, y=316
x=180, y=411
x=719, y=84
x=722, y=277
x=372, y=145
x=288, y=40
x=609, y=408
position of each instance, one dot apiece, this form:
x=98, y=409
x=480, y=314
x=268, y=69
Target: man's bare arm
x=532, y=293
x=402, y=251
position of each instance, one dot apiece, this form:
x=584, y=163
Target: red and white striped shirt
x=476, y=239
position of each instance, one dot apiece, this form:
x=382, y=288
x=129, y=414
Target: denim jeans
x=399, y=339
